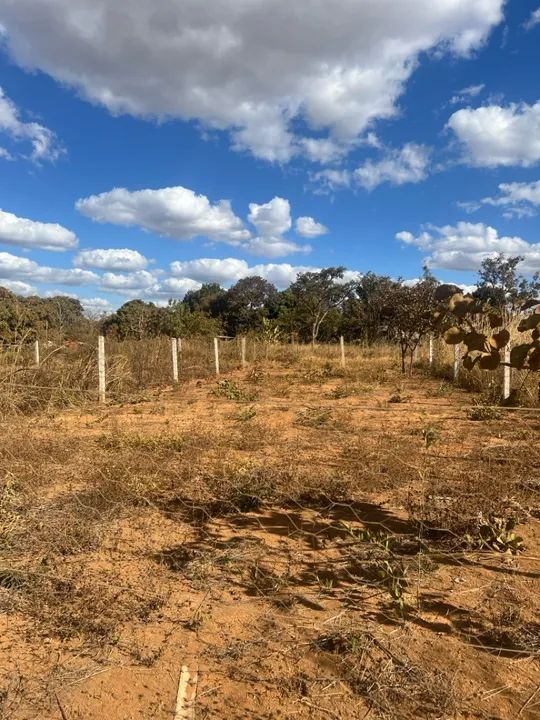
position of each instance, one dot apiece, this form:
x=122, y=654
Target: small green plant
x=483, y=412
x=430, y=436
x=314, y=417
x=392, y=575
x=245, y=415
x=342, y=391
x=443, y=389
x=498, y=534
x=372, y=537
x=256, y=375
x=230, y=390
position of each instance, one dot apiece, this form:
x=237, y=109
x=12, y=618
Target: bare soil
x=306, y=541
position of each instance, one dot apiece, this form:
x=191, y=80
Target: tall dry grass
x=67, y=375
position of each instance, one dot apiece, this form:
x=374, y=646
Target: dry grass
x=320, y=548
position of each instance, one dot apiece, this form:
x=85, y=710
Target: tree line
x=317, y=306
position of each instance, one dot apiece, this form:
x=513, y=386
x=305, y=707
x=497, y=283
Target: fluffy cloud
x=112, y=259
x=464, y=246
x=42, y=140
x=271, y=221
x=179, y=213
x=127, y=281
x=254, y=68
x=18, y=287
x=309, y=228
x=518, y=199
x=31, y=234
x=408, y=164
x=211, y=270
x=495, y=135
x=397, y=166
x=228, y=270
x=96, y=307
x=174, y=212
x=18, y=268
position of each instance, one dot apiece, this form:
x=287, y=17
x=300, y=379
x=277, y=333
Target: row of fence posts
x=176, y=349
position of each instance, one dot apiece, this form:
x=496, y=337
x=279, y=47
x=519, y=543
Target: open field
x=310, y=542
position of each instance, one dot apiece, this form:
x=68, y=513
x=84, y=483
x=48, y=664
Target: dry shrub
x=74, y=603
x=392, y=686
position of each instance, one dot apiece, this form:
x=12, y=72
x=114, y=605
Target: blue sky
x=145, y=151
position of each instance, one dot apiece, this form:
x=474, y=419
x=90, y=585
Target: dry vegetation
x=316, y=542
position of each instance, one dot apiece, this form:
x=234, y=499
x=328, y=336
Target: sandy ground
x=272, y=609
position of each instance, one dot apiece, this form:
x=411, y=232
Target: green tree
x=248, y=303
x=135, y=319
x=314, y=295
x=180, y=321
x=208, y=299
x=366, y=313
x=410, y=315
x=500, y=284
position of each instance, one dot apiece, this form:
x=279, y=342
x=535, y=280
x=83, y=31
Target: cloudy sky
x=146, y=148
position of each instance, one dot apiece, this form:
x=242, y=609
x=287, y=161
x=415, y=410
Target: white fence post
x=507, y=374
x=457, y=359
x=101, y=368
x=36, y=353
x=179, y=344
x=216, y=354
x=243, y=350
x=174, y=350
x=342, y=346
x=430, y=350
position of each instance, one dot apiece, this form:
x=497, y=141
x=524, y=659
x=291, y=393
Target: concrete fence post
x=457, y=360
x=507, y=374
x=216, y=354
x=174, y=351
x=101, y=368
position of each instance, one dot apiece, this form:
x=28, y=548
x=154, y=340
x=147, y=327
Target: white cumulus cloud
x=42, y=140
x=309, y=228
x=139, y=279
x=211, y=269
x=272, y=220
x=465, y=245
x=252, y=68
x=175, y=212
x=179, y=213
x=31, y=234
x=227, y=271
x=494, y=135
x=19, y=268
x=111, y=259
x=18, y=287
x=408, y=164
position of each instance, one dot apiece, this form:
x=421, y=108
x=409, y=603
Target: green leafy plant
x=393, y=577
x=483, y=412
x=430, y=436
x=458, y=317
x=245, y=415
x=230, y=390
x=498, y=534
